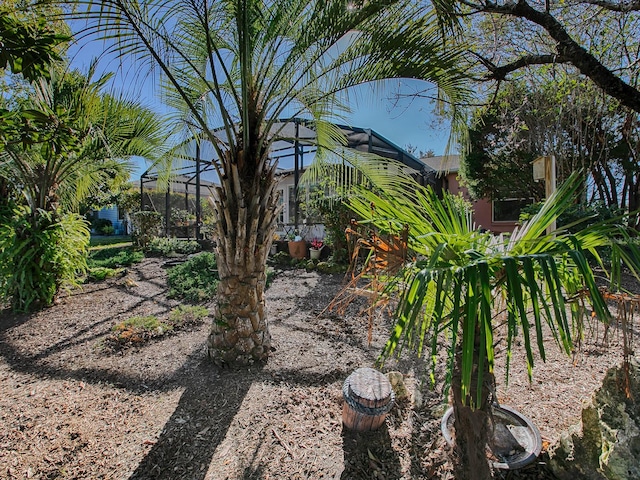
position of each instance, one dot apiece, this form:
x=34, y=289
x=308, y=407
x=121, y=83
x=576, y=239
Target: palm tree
x=233, y=69
x=79, y=139
x=459, y=275
x=70, y=139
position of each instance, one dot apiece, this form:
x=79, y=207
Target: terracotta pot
x=298, y=249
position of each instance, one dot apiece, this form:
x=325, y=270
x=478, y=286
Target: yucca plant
x=461, y=275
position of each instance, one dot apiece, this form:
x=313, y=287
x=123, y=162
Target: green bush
x=98, y=223
x=114, y=257
x=187, y=315
x=196, y=280
x=108, y=230
x=146, y=225
x=162, y=246
x=40, y=254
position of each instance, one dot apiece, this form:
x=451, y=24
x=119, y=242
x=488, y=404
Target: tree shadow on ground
x=59, y=345
x=208, y=405
x=369, y=455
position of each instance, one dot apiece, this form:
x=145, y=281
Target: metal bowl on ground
x=516, y=440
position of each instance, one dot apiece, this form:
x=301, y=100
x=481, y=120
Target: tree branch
x=569, y=50
x=500, y=72
x=623, y=6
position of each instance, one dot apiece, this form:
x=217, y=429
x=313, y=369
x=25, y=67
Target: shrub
x=146, y=225
x=40, y=254
x=137, y=329
x=114, y=257
x=162, y=246
x=107, y=230
x=99, y=223
x=195, y=280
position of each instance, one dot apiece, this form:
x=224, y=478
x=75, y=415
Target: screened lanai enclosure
x=183, y=199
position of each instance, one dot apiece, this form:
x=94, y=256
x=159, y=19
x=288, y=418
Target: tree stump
x=368, y=396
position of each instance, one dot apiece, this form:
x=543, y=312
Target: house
x=117, y=218
x=292, y=218
x=497, y=216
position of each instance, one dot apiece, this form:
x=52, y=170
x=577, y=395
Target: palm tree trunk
x=472, y=421
x=245, y=205
x=239, y=333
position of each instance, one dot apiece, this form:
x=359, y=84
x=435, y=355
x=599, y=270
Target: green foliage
x=187, y=314
x=196, y=280
x=40, y=253
x=271, y=275
x=140, y=329
x=98, y=274
x=28, y=47
x=499, y=149
x=68, y=141
x=102, y=226
x=114, y=257
x=146, y=225
x=165, y=247
x=577, y=216
x=460, y=273
x=112, y=240
x=180, y=216
x=335, y=215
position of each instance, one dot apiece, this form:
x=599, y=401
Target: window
x=508, y=210
x=280, y=203
x=292, y=205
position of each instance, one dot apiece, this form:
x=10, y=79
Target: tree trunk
x=245, y=204
x=239, y=333
x=472, y=422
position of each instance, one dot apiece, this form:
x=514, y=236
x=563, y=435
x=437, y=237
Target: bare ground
x=70, y=408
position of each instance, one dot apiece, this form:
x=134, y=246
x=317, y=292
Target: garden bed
x=69, y=408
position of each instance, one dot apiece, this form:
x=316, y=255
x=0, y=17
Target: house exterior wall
x=286, y=220
x=112, y=213
x=482, y=208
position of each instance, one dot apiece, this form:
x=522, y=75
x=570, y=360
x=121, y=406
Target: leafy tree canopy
x=28, y=45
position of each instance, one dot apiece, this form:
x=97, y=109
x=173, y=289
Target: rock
x=399, y=388
x=606, y=443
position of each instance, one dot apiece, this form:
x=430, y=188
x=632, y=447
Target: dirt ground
x=69, y=408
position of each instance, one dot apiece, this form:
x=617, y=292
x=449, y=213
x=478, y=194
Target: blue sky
x=390, y=109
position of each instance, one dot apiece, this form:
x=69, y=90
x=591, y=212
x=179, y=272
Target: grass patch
x=142, y=329
x=114, y=257
x=110, y=240
x=187, y=315
x=196, y=280
x=98, y=274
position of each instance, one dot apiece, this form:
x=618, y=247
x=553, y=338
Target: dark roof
x=300, y=132
x=443, y=163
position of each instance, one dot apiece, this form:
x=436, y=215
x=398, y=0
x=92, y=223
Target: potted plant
x=274, y=245
x=315, y=249
x=297, y=246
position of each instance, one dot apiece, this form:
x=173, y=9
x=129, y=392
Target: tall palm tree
x=78, y=138
x=234, y=69
x=66, y=141
x=459, y=275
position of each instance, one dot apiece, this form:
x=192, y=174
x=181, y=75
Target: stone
x=397, y=382
x=605, y=445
